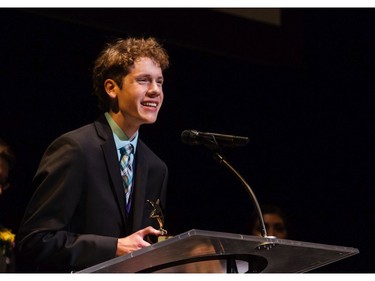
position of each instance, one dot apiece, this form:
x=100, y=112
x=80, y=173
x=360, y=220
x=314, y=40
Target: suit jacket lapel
x=111, y=159
x=141, y=175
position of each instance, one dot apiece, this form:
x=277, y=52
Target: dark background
x=302, y=92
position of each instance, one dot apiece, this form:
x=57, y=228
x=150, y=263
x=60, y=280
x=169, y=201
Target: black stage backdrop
x=303, y=92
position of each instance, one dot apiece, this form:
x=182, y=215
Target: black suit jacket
x=77, y=212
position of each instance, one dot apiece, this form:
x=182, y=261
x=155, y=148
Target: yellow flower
x=7, y=236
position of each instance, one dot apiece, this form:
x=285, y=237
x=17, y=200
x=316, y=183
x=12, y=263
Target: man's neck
x=129, y=129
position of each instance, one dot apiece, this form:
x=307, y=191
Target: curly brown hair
x=117, y=57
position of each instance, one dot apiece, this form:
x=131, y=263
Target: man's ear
x=110, y=87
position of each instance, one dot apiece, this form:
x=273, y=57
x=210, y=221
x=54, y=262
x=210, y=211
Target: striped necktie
x=126, y=167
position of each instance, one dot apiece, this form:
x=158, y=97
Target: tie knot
x=127, y=149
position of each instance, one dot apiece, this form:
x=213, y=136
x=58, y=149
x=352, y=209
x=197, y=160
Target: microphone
x=194, y=137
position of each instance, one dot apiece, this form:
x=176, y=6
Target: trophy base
x=164, y=237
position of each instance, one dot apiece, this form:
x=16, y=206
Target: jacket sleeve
x=45, y=238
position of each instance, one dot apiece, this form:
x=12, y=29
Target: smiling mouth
x=150, y=104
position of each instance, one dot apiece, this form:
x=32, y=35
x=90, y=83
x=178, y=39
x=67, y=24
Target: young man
x=87, y=208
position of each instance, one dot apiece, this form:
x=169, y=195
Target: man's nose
x=154, y=89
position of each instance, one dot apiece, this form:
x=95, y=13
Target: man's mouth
x=150, y=104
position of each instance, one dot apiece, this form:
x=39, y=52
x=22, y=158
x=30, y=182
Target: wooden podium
x=199, y=251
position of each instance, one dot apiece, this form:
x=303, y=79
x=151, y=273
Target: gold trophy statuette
x=157, y=214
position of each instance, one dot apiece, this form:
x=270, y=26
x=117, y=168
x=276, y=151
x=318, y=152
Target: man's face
x=141, y=95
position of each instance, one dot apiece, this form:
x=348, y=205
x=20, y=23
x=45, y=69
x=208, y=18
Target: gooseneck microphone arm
x=220, y=159
x=215, y=142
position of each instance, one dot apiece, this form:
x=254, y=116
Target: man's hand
x=135, y=241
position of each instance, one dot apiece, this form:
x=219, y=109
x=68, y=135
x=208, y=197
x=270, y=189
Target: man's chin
x=150, y=120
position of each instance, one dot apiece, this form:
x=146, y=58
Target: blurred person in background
x=7, y=162
x=274, y=220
